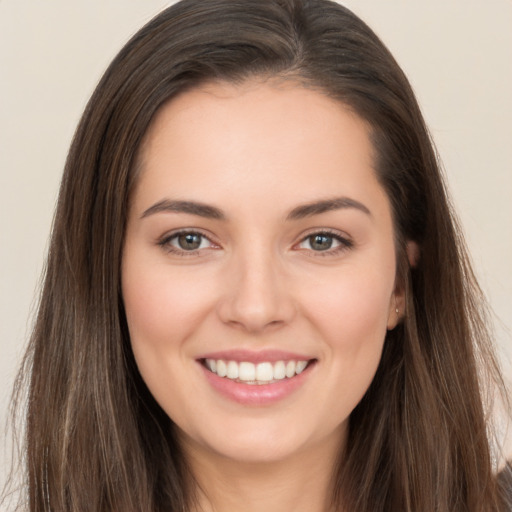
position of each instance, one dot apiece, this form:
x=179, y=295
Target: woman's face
x=258, y=272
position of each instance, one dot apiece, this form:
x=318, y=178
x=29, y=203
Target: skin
x=257, y=152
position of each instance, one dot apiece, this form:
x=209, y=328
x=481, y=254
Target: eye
x=318, y=242
x=186, y=241
x=325, y=242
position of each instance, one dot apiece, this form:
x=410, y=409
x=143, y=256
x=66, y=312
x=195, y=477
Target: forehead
x=270, y=139
x=251, y=109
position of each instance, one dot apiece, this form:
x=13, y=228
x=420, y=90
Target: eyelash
x=344, y=243
x=165, y=242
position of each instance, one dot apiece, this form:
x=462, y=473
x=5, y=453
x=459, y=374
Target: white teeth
x=222, y=369
x=279, y=370
x=232, y=372
x=246, y=371
x=255, y=373
x=264, y=371
x=300, y=366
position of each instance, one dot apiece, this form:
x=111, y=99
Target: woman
x=256, y=297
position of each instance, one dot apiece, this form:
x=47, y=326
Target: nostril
x=255, y=301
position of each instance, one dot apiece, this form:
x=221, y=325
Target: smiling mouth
x=266, y=372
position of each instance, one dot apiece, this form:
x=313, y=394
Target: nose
x=256, y=297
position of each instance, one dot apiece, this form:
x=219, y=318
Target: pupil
x=321, y=242
x=189, y=241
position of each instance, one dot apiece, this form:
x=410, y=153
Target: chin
x=261, y=443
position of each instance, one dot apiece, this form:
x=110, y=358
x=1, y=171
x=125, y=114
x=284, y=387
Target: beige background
x=457, y=54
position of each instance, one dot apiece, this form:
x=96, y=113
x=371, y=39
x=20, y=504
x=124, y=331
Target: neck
x=301, y=483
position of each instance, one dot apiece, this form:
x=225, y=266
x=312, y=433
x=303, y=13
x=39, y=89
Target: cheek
x=351, y=303
x=353, y=323
x=351, y=313
x=163, y=307
x=163, y=310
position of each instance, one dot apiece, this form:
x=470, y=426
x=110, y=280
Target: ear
x=396, y=309
x=397, y=302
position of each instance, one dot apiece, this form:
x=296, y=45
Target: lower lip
x=257, y=394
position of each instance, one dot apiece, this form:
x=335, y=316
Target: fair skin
x=258, y=233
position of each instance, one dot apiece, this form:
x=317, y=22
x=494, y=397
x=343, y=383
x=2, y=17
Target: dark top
x=505, y=482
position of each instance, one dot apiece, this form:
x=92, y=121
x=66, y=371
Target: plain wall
x=457, y=55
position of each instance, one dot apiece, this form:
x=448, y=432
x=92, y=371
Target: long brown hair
x=96, y=440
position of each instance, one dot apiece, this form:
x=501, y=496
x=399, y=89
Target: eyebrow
x=212, y=212
x=326, y=205
x=192, y=207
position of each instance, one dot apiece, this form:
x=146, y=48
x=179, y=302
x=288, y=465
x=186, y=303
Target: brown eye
x=189, y=241
x=320, y=242
x=325, y=242
x=186, y=242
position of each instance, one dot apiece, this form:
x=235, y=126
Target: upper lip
x=268, y=355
